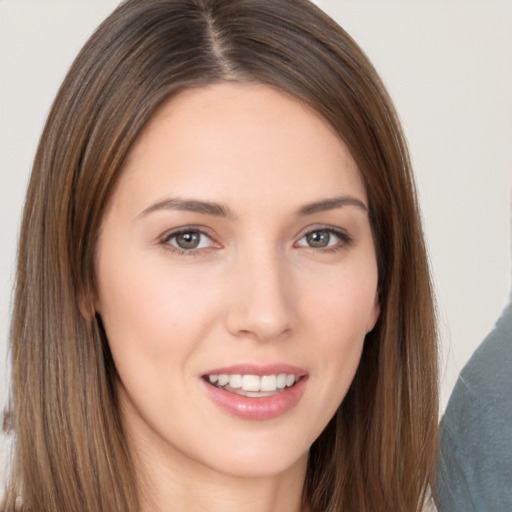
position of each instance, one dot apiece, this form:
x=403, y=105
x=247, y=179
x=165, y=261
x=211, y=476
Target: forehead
x=229, y=138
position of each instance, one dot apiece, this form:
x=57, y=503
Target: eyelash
x=166, y=241
x=345, y=240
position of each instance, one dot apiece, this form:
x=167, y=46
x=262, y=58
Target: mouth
x=253, y=386
x=256, y=393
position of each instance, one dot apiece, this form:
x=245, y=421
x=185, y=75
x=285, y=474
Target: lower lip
x=257, y=408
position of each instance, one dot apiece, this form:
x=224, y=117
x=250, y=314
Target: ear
x=374, y=314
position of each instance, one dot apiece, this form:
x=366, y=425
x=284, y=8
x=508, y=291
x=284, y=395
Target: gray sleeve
x=475, y=466
x=455, y=486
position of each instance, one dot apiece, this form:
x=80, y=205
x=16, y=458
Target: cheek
x=151, y=314
x=341, y=314
x=344, y=302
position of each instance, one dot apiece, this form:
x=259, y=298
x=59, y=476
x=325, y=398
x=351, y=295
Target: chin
x=259, y=457
x=260, y=465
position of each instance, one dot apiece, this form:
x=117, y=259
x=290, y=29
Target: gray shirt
x=475, y=468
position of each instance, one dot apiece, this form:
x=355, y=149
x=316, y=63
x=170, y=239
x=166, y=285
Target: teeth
x=235, y=381
x=250, y=383
x=254, y=383
x=223, y=379
x=290, y=380
x=269, y=383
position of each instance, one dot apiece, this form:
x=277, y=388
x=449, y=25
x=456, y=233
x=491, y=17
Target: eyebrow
x=189, y=205
x=331, y=204
x=220, y=210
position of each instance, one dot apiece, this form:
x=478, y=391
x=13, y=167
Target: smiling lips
x=256, y=394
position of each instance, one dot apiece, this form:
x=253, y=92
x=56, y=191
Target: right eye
x=188, y=240
x=325, y=239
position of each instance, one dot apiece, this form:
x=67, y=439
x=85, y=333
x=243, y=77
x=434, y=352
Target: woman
x=222, y=297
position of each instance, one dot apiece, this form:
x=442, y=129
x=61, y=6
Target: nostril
x=261, y=308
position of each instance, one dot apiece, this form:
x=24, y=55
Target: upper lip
x=257, y=369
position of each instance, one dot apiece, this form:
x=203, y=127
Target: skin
x=253, y=291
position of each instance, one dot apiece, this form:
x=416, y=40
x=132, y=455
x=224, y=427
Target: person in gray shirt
x=475, y=465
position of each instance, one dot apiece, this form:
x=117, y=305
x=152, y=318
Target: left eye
x=321, y=239
x=189, y=240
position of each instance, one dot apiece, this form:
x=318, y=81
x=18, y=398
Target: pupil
x=318, y=239
x=189, y=240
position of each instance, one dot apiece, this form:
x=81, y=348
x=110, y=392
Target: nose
x=261, y=305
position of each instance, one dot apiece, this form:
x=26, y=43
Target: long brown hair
x=377, y=453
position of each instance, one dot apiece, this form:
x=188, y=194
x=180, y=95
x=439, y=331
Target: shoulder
x=475, y=466
x=485, y=383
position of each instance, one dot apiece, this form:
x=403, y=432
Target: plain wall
x=448, y=66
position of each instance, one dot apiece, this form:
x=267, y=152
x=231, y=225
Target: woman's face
x=237, y=280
